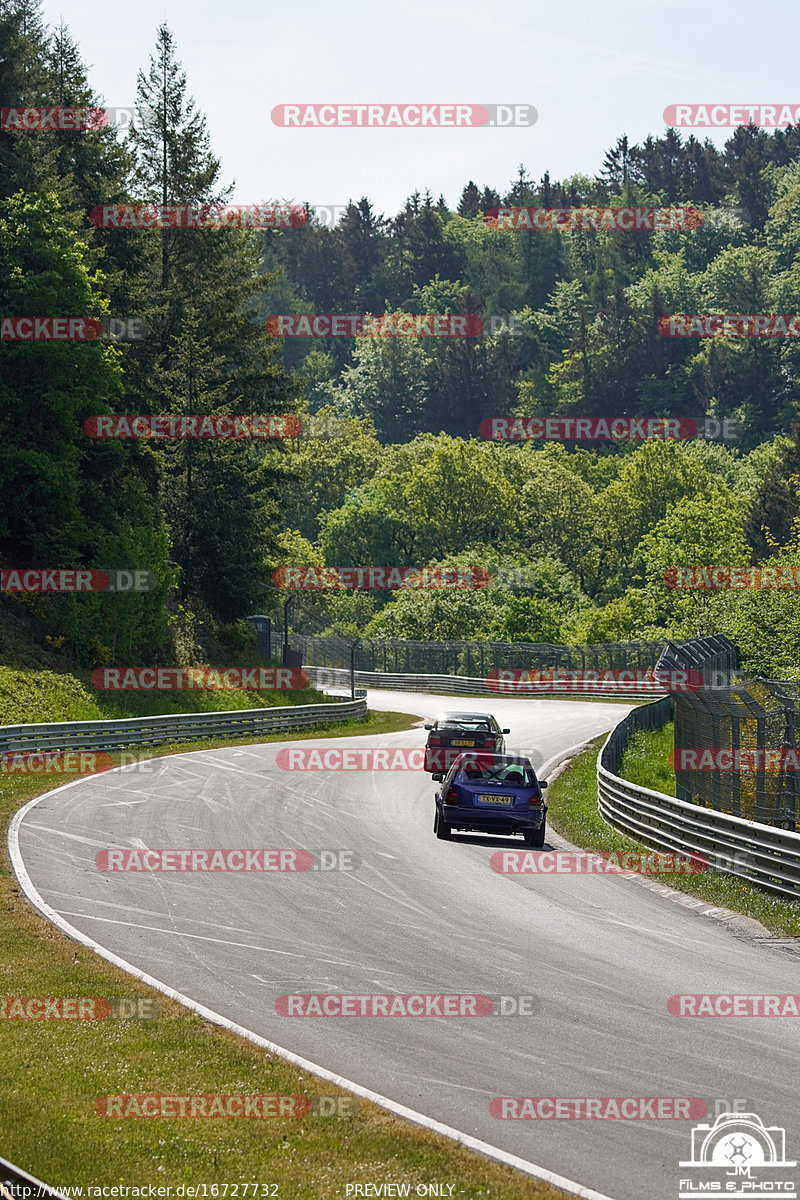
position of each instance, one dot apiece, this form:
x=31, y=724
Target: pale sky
x=593, y=71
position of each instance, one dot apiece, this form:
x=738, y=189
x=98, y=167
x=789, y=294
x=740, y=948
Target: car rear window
x=479, y=724
x=509, y=774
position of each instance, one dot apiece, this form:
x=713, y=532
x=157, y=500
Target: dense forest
x=391, y=468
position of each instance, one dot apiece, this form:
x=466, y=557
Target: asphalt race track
x=601, y=955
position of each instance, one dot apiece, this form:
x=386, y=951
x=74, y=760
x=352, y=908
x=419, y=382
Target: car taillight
x=453, y=796
x=434, y=740
x=535, y=799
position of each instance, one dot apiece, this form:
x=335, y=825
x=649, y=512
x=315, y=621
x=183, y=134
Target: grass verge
x=44, y=697
x=55, y=1070
x=572, y=812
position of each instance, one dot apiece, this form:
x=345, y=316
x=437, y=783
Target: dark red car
x=453, y=732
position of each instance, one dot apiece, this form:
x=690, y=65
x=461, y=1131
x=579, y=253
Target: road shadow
x=496, y=841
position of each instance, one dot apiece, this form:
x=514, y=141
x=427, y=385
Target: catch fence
x=470, y=659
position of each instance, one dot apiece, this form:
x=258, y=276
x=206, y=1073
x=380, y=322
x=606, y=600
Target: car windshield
x=503, y=772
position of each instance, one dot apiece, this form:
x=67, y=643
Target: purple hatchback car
x=492, y=793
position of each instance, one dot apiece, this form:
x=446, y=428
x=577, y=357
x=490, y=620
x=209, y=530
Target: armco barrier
x=113, y=734
x=16, y=1184
x=459, y=685
x=761, y=853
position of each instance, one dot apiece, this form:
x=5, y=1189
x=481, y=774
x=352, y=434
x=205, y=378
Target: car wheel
x=534, y=837
x=441, y=830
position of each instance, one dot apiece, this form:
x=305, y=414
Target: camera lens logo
x=737, y=1155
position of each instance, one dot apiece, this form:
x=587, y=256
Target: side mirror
x=437, y=778
x=506, y=731
x=428, y=727
x=542, y=783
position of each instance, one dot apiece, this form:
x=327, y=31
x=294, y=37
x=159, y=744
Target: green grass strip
x=573, y=812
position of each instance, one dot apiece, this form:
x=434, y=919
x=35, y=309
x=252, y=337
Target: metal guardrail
x=760, y=853
x=461, y=685
x=19, y=1185
x=114, y=734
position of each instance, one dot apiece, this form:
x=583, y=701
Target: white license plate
x=497, y=799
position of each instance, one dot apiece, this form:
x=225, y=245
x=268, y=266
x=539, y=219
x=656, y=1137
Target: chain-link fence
x=736, y=737
x=471, y=659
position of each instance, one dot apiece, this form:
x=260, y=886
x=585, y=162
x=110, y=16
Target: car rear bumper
x=457, y=816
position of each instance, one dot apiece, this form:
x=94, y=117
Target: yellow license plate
x=497, y=799
x=456, y=742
